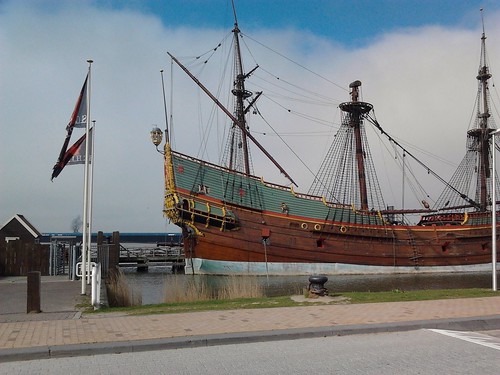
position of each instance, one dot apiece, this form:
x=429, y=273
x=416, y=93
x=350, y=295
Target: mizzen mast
x=238, y=139
x=238, y=156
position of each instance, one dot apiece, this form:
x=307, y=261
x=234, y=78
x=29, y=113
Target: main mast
x=355, y=109
x=347, y=175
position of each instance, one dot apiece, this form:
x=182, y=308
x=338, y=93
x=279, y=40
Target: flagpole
x=85, y=228
x=88, y=162
x=91, y=190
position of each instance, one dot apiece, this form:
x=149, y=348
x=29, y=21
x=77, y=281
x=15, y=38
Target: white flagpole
x=85, y=189
x=91, y=190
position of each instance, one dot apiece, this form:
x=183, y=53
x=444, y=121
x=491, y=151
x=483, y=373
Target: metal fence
x=64, y=253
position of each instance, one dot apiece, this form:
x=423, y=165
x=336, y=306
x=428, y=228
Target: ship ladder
x=416, y=256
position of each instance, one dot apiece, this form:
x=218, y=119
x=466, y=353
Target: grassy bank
x=286, y=301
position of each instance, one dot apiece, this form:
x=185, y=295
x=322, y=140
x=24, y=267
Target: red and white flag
x=78, y=119
x=77, y=155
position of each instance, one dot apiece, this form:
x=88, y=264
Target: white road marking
x=473, y=337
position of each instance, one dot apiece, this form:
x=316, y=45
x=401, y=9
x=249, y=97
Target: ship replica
x=234, y=222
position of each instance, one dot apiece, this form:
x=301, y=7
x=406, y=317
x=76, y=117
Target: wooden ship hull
x=233, y=222
x=287, y=234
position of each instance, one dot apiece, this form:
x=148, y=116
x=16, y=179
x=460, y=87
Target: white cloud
x=421, y=81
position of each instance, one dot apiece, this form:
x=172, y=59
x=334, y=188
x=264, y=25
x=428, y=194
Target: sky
x=417, y=61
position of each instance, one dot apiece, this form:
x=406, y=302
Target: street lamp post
x=494, y=213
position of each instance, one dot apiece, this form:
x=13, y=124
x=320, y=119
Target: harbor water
x=153, y=284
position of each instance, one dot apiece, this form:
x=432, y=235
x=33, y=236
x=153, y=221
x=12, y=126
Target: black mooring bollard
x=317, y=285
x=34, y=292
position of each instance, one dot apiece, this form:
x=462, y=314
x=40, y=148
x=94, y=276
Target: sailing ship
x=234, y=222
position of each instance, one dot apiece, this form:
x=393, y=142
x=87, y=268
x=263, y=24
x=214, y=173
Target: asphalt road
x=414, y=352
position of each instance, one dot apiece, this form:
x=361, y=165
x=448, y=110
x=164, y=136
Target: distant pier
x=144, y=257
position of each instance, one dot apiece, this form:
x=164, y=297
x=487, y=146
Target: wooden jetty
x=143, y=257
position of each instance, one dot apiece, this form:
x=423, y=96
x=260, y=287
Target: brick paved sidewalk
x=104, y=328
x=59, y=295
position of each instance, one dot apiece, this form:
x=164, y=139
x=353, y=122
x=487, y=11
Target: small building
x=19, y=228
x=20, y=248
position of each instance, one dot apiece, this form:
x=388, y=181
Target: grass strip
x=286, y=301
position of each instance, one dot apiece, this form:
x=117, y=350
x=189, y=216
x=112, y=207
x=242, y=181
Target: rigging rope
x=462, y=195
x=295, y=63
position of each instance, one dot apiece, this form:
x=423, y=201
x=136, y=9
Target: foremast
x=473, y=175
x=482, y=131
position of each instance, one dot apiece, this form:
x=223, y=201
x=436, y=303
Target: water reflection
x=152, y=284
